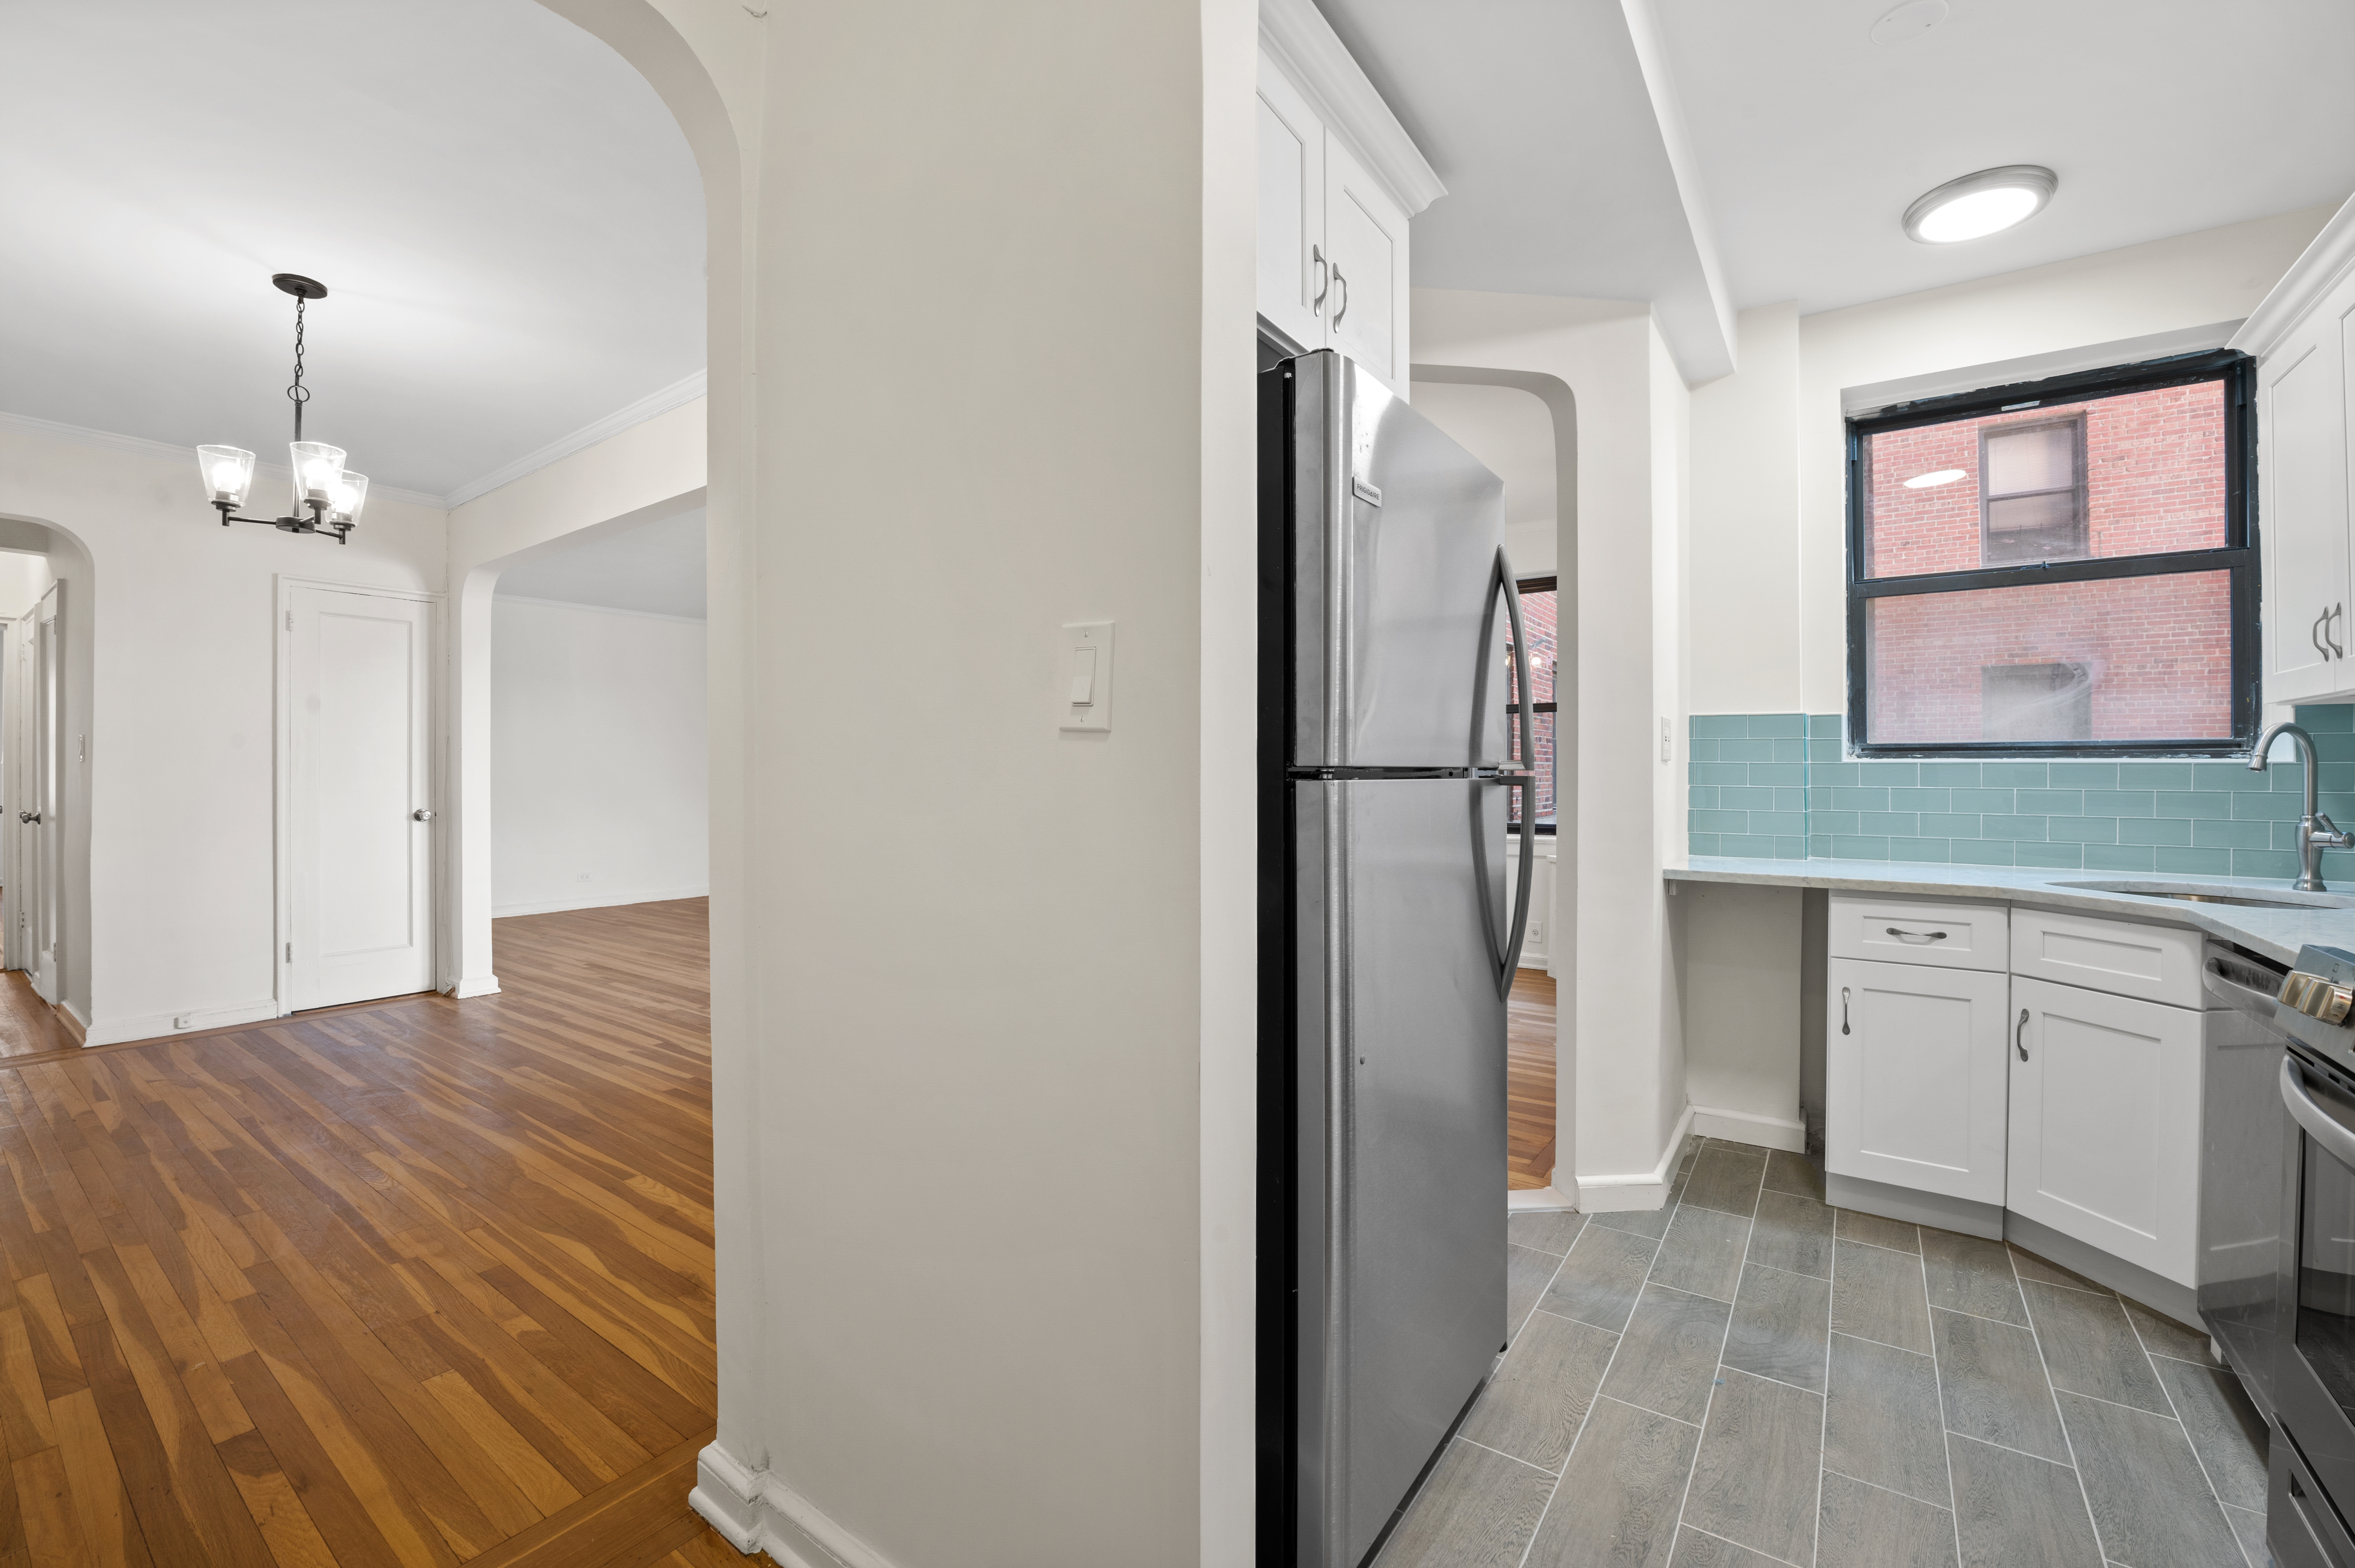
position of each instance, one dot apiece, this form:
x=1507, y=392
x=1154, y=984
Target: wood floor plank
x=400, y=1283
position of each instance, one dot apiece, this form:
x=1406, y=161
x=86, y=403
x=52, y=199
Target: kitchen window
x=1539, y=610
x=2062, y=567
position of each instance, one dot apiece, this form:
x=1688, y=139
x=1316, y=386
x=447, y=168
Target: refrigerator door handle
x=1507, y=953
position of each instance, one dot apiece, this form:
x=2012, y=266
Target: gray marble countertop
x=2328, y=919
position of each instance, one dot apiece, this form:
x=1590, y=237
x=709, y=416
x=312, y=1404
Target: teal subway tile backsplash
x=1783, y=785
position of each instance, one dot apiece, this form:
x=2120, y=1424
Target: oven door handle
x=2320, y=1126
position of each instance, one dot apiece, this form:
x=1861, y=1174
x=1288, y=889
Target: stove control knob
x=2317, y=997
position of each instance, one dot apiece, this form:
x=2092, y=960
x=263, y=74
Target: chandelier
x=327, y=495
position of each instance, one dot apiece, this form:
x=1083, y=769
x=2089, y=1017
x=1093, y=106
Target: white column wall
x=1623, y=1102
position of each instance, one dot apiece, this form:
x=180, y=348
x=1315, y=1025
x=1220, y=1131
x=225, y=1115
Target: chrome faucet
x=2315, y=832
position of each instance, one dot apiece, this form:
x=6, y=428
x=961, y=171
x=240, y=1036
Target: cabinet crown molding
x=2318, y=267
x=1305, y=45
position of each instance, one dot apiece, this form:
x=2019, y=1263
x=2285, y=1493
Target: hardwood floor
x=1529, y=1081
x=415, y=1283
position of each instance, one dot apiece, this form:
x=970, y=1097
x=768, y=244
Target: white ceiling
x=1560, y=178
x=2161, y=117
x=658, y=567
x=1631, y=149
x=508, y=221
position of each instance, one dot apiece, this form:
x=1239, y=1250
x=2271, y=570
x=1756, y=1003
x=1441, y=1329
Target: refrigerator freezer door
x=1395, y=530
x=1400, y=1141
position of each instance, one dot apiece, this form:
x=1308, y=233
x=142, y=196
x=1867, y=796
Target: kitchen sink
x=2220, y=893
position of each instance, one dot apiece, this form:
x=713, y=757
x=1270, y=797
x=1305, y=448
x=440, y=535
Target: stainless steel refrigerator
x=1391, y=641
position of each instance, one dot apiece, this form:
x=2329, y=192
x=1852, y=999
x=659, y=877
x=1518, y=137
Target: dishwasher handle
x=2243, y=999
x=2336, y=1139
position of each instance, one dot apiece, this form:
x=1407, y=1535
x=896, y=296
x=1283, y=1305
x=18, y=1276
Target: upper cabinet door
x=1292, y=269
x=2302, y=509
x=1365, y=238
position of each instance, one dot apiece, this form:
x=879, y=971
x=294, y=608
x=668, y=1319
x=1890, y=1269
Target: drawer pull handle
x=2018, y=1031
x=1903, y=935
x=1843, y=1009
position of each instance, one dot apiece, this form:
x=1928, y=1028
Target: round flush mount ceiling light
x=1981, y=204
x=1910, y=20
x=1933, y=480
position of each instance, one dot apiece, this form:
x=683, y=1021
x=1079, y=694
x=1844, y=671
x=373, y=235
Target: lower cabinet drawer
x=2156, y=963
x=1944, y=932
x=1914, y=1085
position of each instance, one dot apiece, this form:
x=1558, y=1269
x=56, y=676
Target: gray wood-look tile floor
x=1749, y=1377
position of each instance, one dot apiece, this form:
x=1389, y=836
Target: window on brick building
x=1540, y=612
x=2062, y=567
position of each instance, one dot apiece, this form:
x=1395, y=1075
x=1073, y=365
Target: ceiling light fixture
x=332, y=494
x=1981, y=204
x=1931, y=480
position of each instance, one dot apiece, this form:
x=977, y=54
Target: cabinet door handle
x=2336, y=610
x=1915, y=935
x=2019, y=1030
x=1341, y=283
x=2314, y=634
x=1316, y=258
x=1843, y=1009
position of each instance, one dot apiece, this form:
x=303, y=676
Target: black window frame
x=1547, y=584
x=2238, y=555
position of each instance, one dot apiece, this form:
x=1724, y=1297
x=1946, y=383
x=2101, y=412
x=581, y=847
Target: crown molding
x=1304, y=43
x=675, y=395
x=140, y=446
x=2320, y=266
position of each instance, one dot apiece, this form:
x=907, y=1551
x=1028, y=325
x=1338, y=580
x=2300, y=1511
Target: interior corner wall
x=1744, y=638
x=2166, y=285
x=1671, y=581
x=598, y=737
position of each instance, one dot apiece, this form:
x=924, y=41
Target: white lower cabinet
x=2104, y=1123
x=1915, y=1076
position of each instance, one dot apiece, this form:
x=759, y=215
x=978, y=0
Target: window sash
x=2239, y=555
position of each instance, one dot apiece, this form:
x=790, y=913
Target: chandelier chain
x=298, y=392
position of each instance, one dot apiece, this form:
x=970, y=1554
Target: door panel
x=1914, y=1081
x=2302, y=501
x=362, y=879
x=1395, y=533
x=2105, y=1123
x=1291, y=210
x=1411, y=1073
x=1367, y=237
x=49, y=745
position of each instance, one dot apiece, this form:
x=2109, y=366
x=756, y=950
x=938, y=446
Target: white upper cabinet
x=2303, y=339
x=1339, y=179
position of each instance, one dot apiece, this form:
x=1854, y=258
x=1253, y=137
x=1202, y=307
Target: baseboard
x=599, y=900
x=1537, y=1199
x=1890, y=1202
x=2133, y=1281
x=1749, y=1127
x=75, y=1024
x=1619, y=1194
x=480, y=986
x=756, y=1511
x=155, y=1026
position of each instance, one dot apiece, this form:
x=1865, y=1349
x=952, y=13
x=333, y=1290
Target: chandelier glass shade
x=328, y=497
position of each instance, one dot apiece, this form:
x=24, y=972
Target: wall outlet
x=184, y=1020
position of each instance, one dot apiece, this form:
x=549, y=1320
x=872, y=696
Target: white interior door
x=23, y=890
x=361, y=882
x=48, y=748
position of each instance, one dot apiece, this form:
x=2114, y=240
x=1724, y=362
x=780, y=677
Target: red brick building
x=2127, y=658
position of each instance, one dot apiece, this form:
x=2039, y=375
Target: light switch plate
x=1084, y=665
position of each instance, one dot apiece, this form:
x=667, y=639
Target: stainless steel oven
x=2312, y=1388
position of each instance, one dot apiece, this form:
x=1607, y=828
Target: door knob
x=32, y=817
x=421, y=814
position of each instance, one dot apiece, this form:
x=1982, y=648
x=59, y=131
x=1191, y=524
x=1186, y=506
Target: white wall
x=176, y=700
x=1744, y=642
x=1617, y=1107
x=599, y=789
